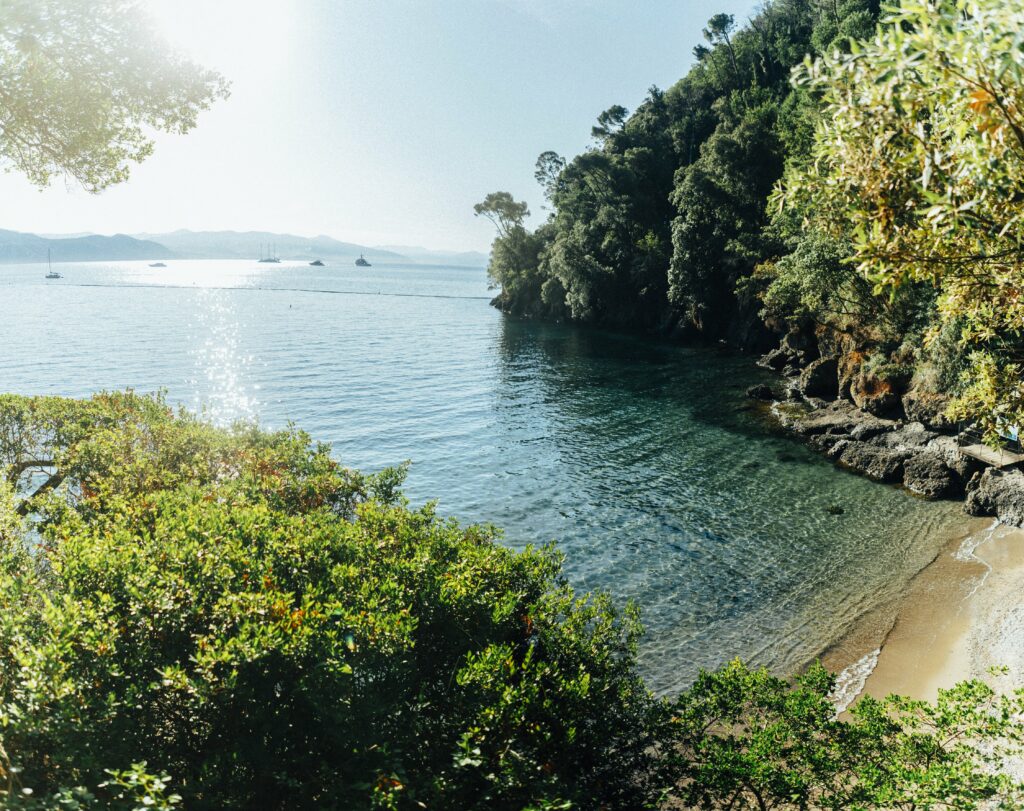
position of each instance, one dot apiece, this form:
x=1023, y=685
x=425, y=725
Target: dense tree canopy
x=654, y=225
x=897, y=232
x=82, y=85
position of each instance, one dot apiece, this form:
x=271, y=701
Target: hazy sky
x=380, y=121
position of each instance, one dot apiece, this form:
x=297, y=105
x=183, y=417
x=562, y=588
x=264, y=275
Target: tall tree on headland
x=84, y=83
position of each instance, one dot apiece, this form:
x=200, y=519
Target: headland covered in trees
x=834, y=184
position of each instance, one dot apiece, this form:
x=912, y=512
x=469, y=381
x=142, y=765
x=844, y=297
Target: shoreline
x=960, y=616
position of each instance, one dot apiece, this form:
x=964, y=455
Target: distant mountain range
x=16, y=246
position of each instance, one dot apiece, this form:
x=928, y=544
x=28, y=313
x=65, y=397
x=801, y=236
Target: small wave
x=851, y=680
x=967, y=552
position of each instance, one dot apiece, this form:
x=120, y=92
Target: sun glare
x=237, y=37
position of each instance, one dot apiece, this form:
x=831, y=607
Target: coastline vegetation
x=227, y=618
x=831, y=170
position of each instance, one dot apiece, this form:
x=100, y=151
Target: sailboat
x=52, y=274
x=271, y=257
x=361, y=262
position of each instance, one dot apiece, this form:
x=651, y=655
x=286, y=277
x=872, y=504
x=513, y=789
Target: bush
x=235, y=609
x=215, y=618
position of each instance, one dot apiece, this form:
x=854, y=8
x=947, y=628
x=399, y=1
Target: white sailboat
x=52, y=274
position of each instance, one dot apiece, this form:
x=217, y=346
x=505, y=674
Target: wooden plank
x=996, y=458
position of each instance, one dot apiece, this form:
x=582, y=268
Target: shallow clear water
x=644, y=461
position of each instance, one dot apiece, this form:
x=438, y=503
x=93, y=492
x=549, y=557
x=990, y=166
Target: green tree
x=919, y=155
x=83, y=82
x=235, y=608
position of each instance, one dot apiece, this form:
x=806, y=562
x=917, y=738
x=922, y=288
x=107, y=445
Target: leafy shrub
x=213, y=618
x=235, y=609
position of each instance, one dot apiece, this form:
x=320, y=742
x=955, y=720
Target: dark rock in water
x=820, y=378
x=998, y=493
x=928, y=475
x=761, y=391
x=881, y=464
x=834, y=509
x=776, y=359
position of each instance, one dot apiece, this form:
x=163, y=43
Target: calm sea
x=657, y=478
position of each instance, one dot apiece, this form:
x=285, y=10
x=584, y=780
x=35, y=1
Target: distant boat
x=271, y=256
x=361, y=262
x=52, y=274
x=158, y=265
x=316, y=263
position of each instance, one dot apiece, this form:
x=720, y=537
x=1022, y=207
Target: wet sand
x=961, y=616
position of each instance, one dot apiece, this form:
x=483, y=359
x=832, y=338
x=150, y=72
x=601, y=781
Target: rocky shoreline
x=874, y=429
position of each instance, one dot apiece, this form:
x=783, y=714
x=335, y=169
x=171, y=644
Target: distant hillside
x=16, y=246
x=473, y=259
x=247, y=244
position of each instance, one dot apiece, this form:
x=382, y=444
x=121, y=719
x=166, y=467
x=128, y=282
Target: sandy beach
x=961, y=616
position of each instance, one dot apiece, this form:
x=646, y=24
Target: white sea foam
x=967, y=552
x=850, y=681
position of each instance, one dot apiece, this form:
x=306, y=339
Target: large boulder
x=928, y=408
x=928, y=475
x=879, y=463
x=999, y=493
x=761, y=391
x=948, y=450
x=912, y=436
x=777, y=359
x=874, y=395
x=820, y=379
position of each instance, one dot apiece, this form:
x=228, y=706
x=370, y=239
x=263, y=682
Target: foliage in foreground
x=919, y=157
x=206, y=618
x=83, y=85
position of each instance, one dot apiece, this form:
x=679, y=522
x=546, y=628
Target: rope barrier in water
x=275, y=290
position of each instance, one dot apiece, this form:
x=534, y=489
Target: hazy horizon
x=378, y=123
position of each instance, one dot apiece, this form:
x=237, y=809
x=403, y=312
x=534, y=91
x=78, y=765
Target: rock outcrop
x=997, y=493
x=820, y=378
x=877, y=427
x=887, y=450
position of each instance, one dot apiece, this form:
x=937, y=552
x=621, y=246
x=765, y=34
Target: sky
x=379, y=122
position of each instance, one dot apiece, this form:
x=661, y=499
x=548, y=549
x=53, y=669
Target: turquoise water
x=644, y=461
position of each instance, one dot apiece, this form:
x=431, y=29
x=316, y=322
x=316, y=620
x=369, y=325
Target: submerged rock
x=761, y=391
